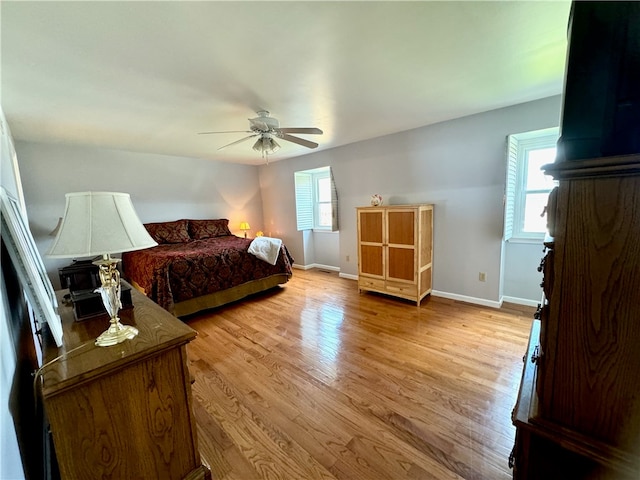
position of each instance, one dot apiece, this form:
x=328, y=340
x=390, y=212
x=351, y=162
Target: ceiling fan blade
x=238, y=141
x=299, y=141
x=314, y=131
x=230, y=131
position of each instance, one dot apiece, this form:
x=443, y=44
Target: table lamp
x=244, y=226
x=102, y=223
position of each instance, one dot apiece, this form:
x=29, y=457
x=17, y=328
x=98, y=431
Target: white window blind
x=510, y=191
x=313, y=211
x=304, y=200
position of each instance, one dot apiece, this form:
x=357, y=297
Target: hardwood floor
x=315, y=380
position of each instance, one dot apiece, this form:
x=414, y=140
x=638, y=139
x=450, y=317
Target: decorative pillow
x=199, y=229
x=169, y=232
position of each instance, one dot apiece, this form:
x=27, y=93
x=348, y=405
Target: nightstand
x=123, y=411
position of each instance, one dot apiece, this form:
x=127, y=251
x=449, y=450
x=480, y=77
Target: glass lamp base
x=116, y=333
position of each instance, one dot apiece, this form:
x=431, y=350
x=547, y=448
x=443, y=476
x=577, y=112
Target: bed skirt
x=223, y=297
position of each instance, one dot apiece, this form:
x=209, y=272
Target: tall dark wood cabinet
x=578, y=410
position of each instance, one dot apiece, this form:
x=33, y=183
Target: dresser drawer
x=401, y=288
x=371, y=283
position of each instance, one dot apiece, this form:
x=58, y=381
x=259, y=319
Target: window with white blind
x=316, y=200
x=527, y=187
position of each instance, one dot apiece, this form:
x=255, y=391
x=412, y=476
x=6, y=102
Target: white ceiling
x=148, y=76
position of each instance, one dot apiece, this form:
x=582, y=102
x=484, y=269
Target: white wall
x=326, y=250
x=10, y=464
x=521, y=276
x=457, y=165
x=10, y=180
x=161, y=187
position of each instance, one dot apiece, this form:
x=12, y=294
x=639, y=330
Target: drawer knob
x=538, y=314
x=535, y=356
x=512, y=458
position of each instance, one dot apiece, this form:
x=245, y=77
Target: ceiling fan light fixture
x=266, y=128
x=266, y=145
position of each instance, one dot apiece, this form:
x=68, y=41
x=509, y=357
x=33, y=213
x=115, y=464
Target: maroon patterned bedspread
x=172, y=273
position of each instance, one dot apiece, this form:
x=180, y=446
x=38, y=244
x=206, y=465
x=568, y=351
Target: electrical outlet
x=482, y=276
x=347, y=258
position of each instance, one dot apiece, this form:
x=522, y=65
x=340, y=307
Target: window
x=527, y=186
x=323, y=202
x=316, y=200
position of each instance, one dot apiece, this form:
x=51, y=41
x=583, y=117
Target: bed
x=199, y=264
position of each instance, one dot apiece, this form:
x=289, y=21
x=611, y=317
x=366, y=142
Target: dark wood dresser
x=123, y=411
x=578, y=409
x=577, y=415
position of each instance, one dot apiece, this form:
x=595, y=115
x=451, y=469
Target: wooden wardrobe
x=395, y=250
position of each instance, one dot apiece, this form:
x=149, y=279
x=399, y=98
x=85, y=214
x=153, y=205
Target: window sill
x=530, y=240
x=322, y=230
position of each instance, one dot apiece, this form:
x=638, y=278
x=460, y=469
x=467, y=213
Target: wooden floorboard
x=315, y=380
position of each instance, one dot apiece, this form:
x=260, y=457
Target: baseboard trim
x=319, y=266
x=521, y=301
x=348, y=276
x=467, y=299
x=316, y=265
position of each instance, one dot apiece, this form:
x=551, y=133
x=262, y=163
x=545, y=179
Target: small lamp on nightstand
x=244, y=226
x=102, y=223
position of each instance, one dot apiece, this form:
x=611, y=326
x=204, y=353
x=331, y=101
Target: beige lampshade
x=55, y=231
x=99, y=223
x=245, y=226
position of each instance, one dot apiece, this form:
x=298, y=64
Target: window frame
x=518, y=147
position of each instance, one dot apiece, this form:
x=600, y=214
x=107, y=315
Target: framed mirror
x=29, y=265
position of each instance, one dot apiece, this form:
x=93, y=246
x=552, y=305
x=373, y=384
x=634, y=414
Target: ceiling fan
x=266, y=128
